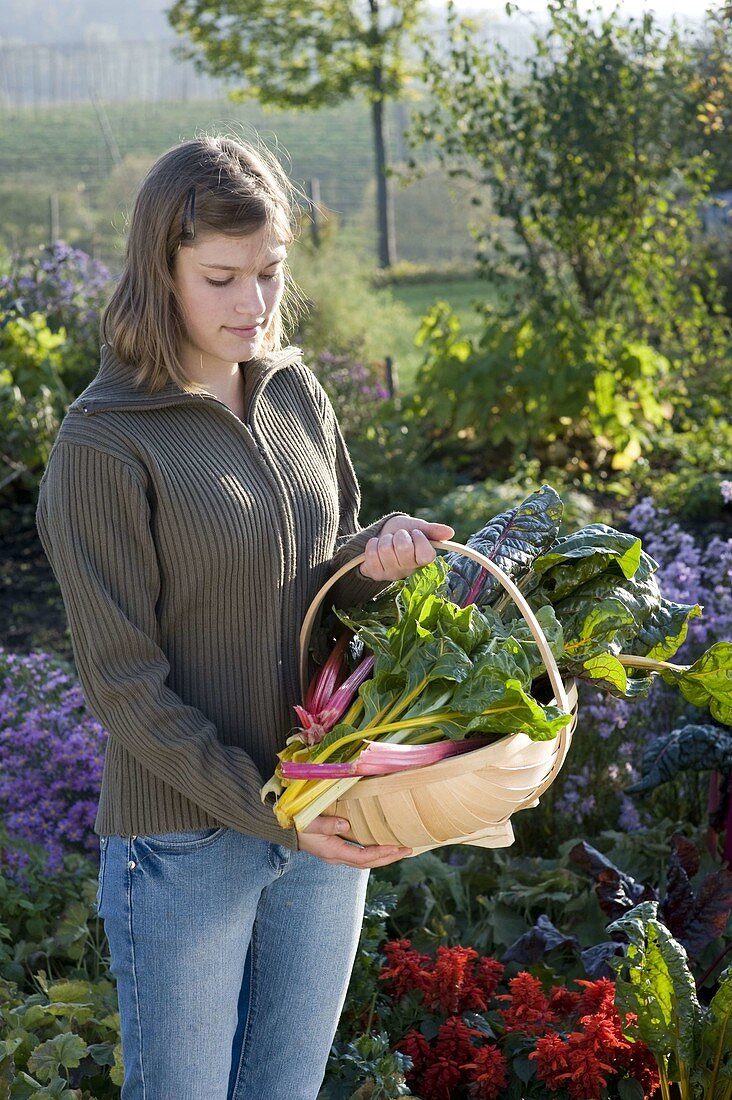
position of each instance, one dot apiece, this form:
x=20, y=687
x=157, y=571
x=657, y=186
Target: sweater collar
x=112, y=388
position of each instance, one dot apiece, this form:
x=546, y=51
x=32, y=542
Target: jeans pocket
x=103, y=842
x=185, y=840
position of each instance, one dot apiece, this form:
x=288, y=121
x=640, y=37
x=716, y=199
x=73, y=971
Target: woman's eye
x=216, y=282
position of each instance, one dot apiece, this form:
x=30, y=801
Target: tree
x=309, y=55
x=596, y=158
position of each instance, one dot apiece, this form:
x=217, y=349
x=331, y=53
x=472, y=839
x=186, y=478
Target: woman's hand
x=401, y=547
x=321, y=839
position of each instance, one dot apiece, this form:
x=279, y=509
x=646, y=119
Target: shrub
x=70, y=289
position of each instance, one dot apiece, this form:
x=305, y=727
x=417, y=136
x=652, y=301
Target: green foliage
x=60, y=1040
x=50, y=923
x=32, y=399
x=346, y=315
x=692, y=1044
x=366, y=1069
x=305, y=57
x=544, y=375
x=606, y=319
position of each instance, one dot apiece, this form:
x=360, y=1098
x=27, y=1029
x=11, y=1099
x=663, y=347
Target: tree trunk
x=384, y=195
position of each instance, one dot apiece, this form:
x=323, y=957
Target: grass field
x=461, y=295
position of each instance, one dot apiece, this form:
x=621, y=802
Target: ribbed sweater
x=188, y=545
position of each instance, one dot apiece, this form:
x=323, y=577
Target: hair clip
x=188, y=223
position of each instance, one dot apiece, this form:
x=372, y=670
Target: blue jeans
x=232, y=958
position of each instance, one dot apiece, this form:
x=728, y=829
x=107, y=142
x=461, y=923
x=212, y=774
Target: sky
x=664, y=9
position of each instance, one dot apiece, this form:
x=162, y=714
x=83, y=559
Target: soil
x=32, y=615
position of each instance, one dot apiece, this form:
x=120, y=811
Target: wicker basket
x=466, y=799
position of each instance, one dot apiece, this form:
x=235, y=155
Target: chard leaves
x=595, y=549
x=708, y=682
x=512, y=540
x=691, y=748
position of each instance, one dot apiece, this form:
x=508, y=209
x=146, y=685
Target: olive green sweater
x=188, y=545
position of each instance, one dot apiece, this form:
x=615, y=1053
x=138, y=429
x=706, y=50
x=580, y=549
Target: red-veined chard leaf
x=512, y=540
x=696, y=917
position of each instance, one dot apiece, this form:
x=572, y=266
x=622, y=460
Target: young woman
x=197, y=496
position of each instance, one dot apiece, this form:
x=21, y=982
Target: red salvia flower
x=488, y=1072
x=405, y=969
x=528, y=1009
x=598, y=996
x=454, y=1040
x=570, y=1065
x=419, y=1050
x=563, y=1001
x=440, y=1081
x=488, y=973
x=452, y=988
x=640, y=1064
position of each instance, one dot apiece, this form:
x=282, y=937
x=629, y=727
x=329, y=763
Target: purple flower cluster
x=64, y=284
x=354, y=389
x=690, y=571
x=51, y=760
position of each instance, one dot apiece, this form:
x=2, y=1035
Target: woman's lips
x=243, y=331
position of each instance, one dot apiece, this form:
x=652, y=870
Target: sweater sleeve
x=93, y=519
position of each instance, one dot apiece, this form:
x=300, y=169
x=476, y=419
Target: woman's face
x=229, y=288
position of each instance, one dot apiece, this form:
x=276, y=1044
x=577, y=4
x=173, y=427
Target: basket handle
x=560, y=693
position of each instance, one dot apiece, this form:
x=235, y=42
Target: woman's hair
x=212, y=184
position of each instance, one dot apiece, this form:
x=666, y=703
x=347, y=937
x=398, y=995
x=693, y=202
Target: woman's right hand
x=321, y=839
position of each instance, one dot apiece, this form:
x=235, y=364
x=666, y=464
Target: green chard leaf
x=594, y=549
x=659, y=988
x=518, y=629
x=664, y=632
x=512, y=540
x=503, y=706
x=691, y=748
x=717, y=1037
x=708, y=682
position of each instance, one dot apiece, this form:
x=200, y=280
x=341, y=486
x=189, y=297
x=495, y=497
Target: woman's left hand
x=402, y=546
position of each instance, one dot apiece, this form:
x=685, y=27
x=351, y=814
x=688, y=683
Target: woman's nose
x=250, y=300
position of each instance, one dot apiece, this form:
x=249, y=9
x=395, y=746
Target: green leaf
x=630, y=1089
x=708, y=682
x=659, y=987
x=507, y=708
x=690, y=748
x=718, y=1032
x=65, y=1050
x=608, y=670
x=592, y=550
x=592, y=628
x=664, y=632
